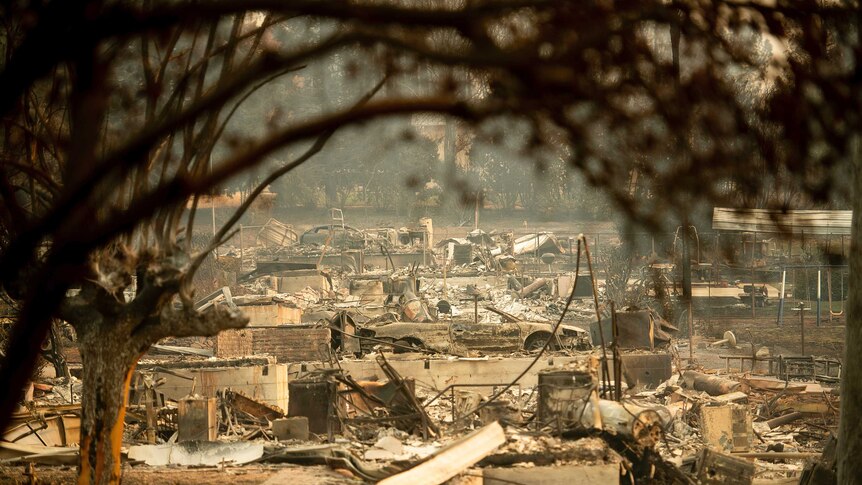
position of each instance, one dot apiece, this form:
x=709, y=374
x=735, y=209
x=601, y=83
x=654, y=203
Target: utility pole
x=686, y=265
x=686, y=287
x=675, y=35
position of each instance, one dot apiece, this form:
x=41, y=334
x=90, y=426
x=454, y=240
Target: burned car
x=456, y=336
x=338, y=236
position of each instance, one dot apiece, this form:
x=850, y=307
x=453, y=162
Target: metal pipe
x=818, y=298
x=605, y=369
x=781, y=298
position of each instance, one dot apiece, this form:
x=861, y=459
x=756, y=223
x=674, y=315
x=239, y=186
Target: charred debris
x=399, y=357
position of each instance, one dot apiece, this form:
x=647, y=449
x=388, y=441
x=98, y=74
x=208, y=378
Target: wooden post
x=151, y=414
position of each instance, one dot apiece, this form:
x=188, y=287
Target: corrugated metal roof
x=812, y=222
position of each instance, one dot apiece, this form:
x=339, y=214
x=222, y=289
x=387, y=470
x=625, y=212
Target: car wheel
x=536, y=342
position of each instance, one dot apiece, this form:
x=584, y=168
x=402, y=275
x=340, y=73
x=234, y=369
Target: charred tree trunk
x=107, y=369
x=850, y=427
x=112, y=334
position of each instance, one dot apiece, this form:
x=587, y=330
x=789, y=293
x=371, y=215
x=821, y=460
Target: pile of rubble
x=463, y=365
x=696, y=426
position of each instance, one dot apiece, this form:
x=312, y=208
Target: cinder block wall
x=285, y=343
x=290, y=344
x=234, y=343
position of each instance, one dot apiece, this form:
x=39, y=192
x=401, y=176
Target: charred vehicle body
x=456, y=337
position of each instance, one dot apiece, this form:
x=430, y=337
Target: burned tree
x=102, y=156
x=597, y=78
x=131, y=287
